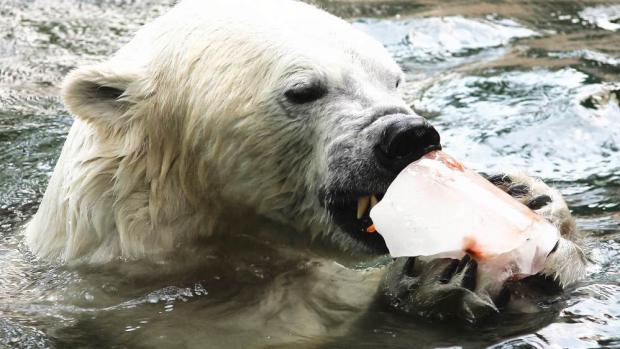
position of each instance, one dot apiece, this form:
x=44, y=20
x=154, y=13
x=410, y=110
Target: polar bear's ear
x=98, y=95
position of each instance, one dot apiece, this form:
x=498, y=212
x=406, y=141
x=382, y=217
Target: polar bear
x=273, y=119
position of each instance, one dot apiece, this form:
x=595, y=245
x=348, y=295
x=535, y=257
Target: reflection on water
x=509, y=84
x=437, y=39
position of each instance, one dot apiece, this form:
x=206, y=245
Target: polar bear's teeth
x=362, y=205
x=373, y=200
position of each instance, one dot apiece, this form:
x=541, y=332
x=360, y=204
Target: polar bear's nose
x=404, y=141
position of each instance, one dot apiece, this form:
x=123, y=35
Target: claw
x=463, y=263
x=539, y=202
x=555, y=248
x=468, y=266
x=500, y=179
x=469, y=277
x=447, y=273
x=518, y=190
x=408, y=268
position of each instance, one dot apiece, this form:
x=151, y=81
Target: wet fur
x=187, y=123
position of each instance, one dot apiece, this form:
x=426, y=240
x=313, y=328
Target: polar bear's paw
x=538, y=196
x=567, y=262
x=447, y=289
x=439, y=289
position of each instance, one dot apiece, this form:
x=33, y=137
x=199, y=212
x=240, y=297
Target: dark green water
x=531, y=85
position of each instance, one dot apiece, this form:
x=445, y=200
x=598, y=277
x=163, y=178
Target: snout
x=363, y=166
x=404, y=140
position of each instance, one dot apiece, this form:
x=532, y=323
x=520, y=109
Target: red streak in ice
x=471, y=248
x=449, y=161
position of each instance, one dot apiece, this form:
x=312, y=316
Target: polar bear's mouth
x=351, y=214
x=359, y=173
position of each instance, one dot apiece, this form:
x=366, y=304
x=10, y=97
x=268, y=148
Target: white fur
x=157, y=167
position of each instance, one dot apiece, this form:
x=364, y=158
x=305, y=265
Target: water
x=532, y=86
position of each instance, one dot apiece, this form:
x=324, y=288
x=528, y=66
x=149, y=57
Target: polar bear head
x=274, y=106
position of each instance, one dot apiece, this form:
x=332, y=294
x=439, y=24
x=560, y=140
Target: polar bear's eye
x=397, y=82
x=301, y=94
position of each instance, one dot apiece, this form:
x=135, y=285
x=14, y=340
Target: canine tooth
x=362, y=205
x=373, y=200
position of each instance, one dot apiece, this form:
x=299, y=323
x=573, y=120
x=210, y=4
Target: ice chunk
x=437, y=207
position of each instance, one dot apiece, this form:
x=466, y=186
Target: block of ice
x=437, y=207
